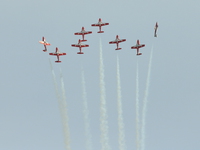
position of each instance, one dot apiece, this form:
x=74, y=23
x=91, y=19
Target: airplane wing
x=137, y=46
x=52, y=54
x=95, y=24
x=41, y=42
x=81, y=33
x=104, y=24
x=47, y=44
x=142, y=45
x=78, y=33
x=121, y=40
x=112, y=42
x=61, y=54
x=88, y=32
x=55, y=54
x=75, y=45
x=84, y=45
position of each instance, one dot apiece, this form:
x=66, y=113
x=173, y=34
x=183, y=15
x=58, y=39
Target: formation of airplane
x=58, y=54
x=80, y=45
x=83, y=32
x=100, y=24
x=138, y=46
x=156, y=27
x=117, y=41
x=45, y=43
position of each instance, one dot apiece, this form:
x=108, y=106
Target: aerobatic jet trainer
x=45, y=43
x=80, y=45
x=117, y=41
x=100, y=24
x=138, y=46
x=58, y=54
x=83, y=32
x=155, y=32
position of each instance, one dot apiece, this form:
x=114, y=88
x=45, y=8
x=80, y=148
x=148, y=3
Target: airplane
x=83, y=32
x=100, y=24
x=57, y=53
x=138, y=46
x=80, y=45
x=45, y=43
x=156, y=27
x=117, y=41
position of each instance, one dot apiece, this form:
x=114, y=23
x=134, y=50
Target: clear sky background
x=29, y=112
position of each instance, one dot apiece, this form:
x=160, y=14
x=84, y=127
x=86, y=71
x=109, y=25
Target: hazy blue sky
x=29, y=112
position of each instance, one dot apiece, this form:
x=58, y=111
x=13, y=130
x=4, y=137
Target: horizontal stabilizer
x=100, y=32
x=118, y=48
x=58, y=61
x=80, y=53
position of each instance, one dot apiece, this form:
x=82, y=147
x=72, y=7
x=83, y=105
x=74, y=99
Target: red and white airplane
x=58, y=54
x=45, y=43
x=117, y=41
x=138, y=46
x=80, y=45
x=100, y=24
x=156, y=27
x=83, y=32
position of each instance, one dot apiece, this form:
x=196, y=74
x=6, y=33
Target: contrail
x=137, y=108
x=86, y=115
x=103, y=111
x=144, y=110
x=122, y=145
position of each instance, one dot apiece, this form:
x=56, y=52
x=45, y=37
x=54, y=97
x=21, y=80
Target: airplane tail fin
x=139, y=54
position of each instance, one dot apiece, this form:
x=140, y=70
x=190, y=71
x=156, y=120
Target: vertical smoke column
x=103, y=111
x=86, y=115
x=122, y=145
x=63, y=108
x=144, y=110
x=137, y=108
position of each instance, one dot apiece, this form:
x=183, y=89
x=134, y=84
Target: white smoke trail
x=144, y=110
x=54, y=81
x=137, y=108
x=63, y=109
x=122, y=145
x=103, y=111
x=86, y=115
